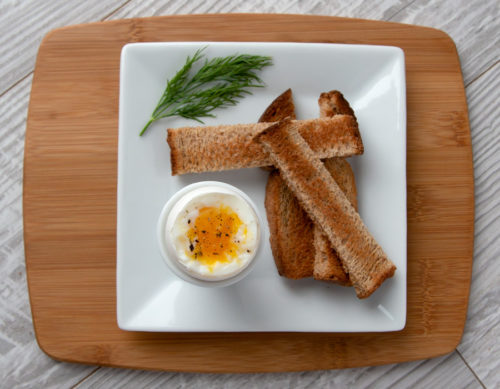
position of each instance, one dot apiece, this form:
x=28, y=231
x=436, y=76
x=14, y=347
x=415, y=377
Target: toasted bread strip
x=281, y=107
x=320, y=196
x=333, y=103
x=215, y=148
x=298, y=251
x=291, y=230
x=327, y=265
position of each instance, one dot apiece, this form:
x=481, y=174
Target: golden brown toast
x=215, y=148
x=291, y=230
x=280, y=108
x=333, y=103
x=327, y=265
x=305, y=249
x=325, y=203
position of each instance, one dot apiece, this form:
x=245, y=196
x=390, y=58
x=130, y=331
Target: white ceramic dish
x=151, y=298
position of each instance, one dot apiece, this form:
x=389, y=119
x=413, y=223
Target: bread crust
x=280, y=108
x=291, y=230
x=308, y=253
x=215, y=148
x=320, y=196
x=297, y=251
x=327, y=265
x=333, y=103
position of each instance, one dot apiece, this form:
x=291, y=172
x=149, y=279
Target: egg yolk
x=212, y=235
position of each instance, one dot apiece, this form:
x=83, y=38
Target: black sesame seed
x=191, y=247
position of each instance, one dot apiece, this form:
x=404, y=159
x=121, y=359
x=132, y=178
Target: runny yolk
x=212, y=235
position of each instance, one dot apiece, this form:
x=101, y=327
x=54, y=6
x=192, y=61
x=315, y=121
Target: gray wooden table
x=475, y=28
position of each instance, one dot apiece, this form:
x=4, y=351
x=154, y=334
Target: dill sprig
x=220, y=82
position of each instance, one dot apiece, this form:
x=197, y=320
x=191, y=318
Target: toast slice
x=280, y=108
x=320, y=196
x=296, y=249
x=291, y=231
x=333, y=103
x=215, y=148
x=327, y=265
x=297, y=252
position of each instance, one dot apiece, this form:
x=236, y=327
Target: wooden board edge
x=431, y=32
x=200, y=369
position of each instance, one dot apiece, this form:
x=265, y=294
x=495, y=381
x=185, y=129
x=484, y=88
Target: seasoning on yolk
x=211, y=235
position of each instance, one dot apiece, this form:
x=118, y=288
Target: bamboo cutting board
x=70, y=173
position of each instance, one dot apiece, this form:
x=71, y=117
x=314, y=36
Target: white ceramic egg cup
x=167, y=248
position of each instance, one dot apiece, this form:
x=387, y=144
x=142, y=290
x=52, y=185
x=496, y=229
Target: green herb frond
x=219, y=83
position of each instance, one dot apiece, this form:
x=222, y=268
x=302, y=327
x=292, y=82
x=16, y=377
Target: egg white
x=189, y=210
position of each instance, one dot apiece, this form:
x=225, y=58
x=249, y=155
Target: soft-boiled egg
x=212, y=231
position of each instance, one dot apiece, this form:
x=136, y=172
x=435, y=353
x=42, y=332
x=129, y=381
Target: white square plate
x=151, y=298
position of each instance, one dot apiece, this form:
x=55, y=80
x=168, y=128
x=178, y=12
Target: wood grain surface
x=70, y=192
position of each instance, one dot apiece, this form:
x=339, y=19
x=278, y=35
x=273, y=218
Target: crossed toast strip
x=325, y=203
x=225, y=147
x=299, y=247
x=327, y=265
